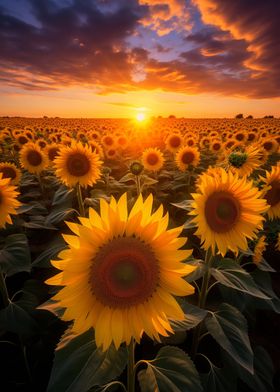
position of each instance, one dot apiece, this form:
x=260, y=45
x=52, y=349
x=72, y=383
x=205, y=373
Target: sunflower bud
x=136, y=168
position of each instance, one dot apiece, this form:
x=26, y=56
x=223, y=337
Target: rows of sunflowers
x=139, y=257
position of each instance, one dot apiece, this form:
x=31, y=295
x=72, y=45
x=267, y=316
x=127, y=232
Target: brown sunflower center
x=22, y=140
x=267, y=146
x=52, y=153
x=222, y=211
x=78, y=164
x=251, y=136
x=108, y=140
x=124, y=273
x=273, y=195
x=8, y=172
x=152, y=158
x=216, y=146
x=175, y=141
x=34, y=158
x=188, y=157
x=122, y=141
x=240, y=136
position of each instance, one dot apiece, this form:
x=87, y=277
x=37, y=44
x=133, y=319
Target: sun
x=140, y=116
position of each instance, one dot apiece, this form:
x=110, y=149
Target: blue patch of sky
x=20, y=9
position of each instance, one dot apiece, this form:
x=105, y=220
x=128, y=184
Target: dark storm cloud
x=256, y=22
x=83, y=42
x=76, y=43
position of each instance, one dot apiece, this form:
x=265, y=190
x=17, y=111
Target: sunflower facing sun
x=121, y=273
x=272, y=191
x=152, y=159
x=32, y=158
x=227, y=210
x=77, y=164
x=8, y=201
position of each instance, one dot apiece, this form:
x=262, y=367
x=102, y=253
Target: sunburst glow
x=140, y=116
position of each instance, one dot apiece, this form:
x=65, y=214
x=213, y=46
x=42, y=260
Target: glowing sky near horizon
x=108, y=58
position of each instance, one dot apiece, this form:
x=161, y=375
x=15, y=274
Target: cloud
x=119, y=46
x=74, y=44
x=257, y=23
x=166, y=16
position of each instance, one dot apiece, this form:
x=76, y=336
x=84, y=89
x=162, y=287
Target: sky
x=116, y=58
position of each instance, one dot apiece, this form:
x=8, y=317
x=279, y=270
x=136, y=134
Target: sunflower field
x=139, y=257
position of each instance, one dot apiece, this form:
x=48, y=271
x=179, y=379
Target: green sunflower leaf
x=231, y=274
x=15, y=319
x=15, y=255
x=229, y=328
x=193, y=316
x=171, y=370
x=219, y=380
x=262, y=379
x=80, y=365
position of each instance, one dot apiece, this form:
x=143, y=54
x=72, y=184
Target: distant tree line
x=240, y=115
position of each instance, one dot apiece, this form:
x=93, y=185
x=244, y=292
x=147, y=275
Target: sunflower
x=243, y=162
x=96, y=147
x=41, y=143
x=216, y=146
x=9, y=170
x=187, y=156
x=260, y=247
x=122, y=141
x=108, y=141
x=174, y=141
x=8, y=201
x=121, y=272
x=205, y=142
x=251, y=137
x=77, y=164
x=32, y=158
x=240, y=136
x=21, y=139
x=111, y=153
x=152, y=159
x=52, y=151
x=270, y=145
x=272, y=191
x=227, y=211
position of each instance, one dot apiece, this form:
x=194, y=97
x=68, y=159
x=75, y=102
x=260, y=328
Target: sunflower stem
x=138, y=185
x=80, y=200
x=202, y=299
x=130, y=367
x=4, y=291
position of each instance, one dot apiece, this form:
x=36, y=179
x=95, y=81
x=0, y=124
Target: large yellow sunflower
x=121, y=273
x=77, y=164
x=32, y=158
x=9, y=170
x=272, y=191
x=187, y=156
x=8, y=201
x=227, y=211
x=152, y=159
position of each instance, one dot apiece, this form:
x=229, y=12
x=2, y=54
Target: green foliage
x=80, y=365
x=229, y=328
x=231, y=274
x=15, y=255
x=171, y=370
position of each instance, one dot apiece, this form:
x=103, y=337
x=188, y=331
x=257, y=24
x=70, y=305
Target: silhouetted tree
x=240, y=115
